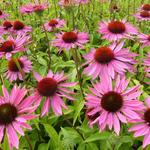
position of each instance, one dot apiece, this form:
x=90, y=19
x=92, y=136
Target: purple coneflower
x=145, y=7
x=72, y=39
x=13, y=73
x=30, y=8
x=3, y=15
x=144, y=39
x=54, y=24
x=142, y=127
x=15, y=111
x=107, y=61
x=11, y=45
x=53, y=87
x=143, y=15
x=108, y=106
x=147, y=65
x=116, y=30
x=20, y=28
x=6, y=27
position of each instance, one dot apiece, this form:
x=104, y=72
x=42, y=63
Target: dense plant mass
x=75, y=75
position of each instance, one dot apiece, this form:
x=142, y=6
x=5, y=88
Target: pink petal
x=146, y=140
x=1, y=133
x=5, y=93
x=116, y=124
x=12, y=136
x=37, y=76
x=46, y=106
x=17, y=128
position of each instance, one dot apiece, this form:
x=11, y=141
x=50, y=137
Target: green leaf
x=5, y=144
x=42, y=61
x=77, y=112
x=43, y=146
x=53, y=135
x=98, y=136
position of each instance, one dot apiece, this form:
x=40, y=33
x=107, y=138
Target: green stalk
x=76, y=60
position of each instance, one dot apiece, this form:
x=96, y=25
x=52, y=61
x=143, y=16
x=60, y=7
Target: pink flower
x=13, y=72
x=147, y=65
x=20, y=28
x=83, y=1
x=145, y=7
x=72, y=2
x=107, y=61
x=67, y=2
x=108, y=106
x=15, y=111
x=11, y=45
x=144, y=39
x=30, y=8
x=143, y=15
x=54, y=23
x=3, y=15
x=116, y=30
x=6, y=27
x=53, y=87
x=142, y=124
x=72, y=39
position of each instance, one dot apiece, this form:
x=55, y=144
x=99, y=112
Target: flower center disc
x=12, y=66
x=103, y=55
x=149, y=37
x=18, y=25
x=116, y=27
x=145, y=14
x=1, y=12
x=7, y=25
x=7, y=46
x=8, y=113
x=53, y=22
x=146, y=7
x=147, y=116
x=70, y=37
x=112, y=101
x=47, y=87
x=38, y=8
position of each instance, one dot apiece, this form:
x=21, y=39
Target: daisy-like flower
x=6, y=27
x=116, y=30
x=20, y=28
x=54, y=24
x=72, y=39
x=13, y=73
x=30, y=8
x=145, y=7
x=11, y=45
x=53, y=87
x=142, y=127
x=108, y=106
x=144, y=39
x=67, y=2
x=107, y=61
x=83, y=1
x=3, y=15
x=147, y=65
x=143, y=15
x=15, y=111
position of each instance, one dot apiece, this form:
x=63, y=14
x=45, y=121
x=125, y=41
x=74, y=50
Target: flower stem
x=76, y=60
x=28, y=141
x=54, y=1
x=49, y=49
